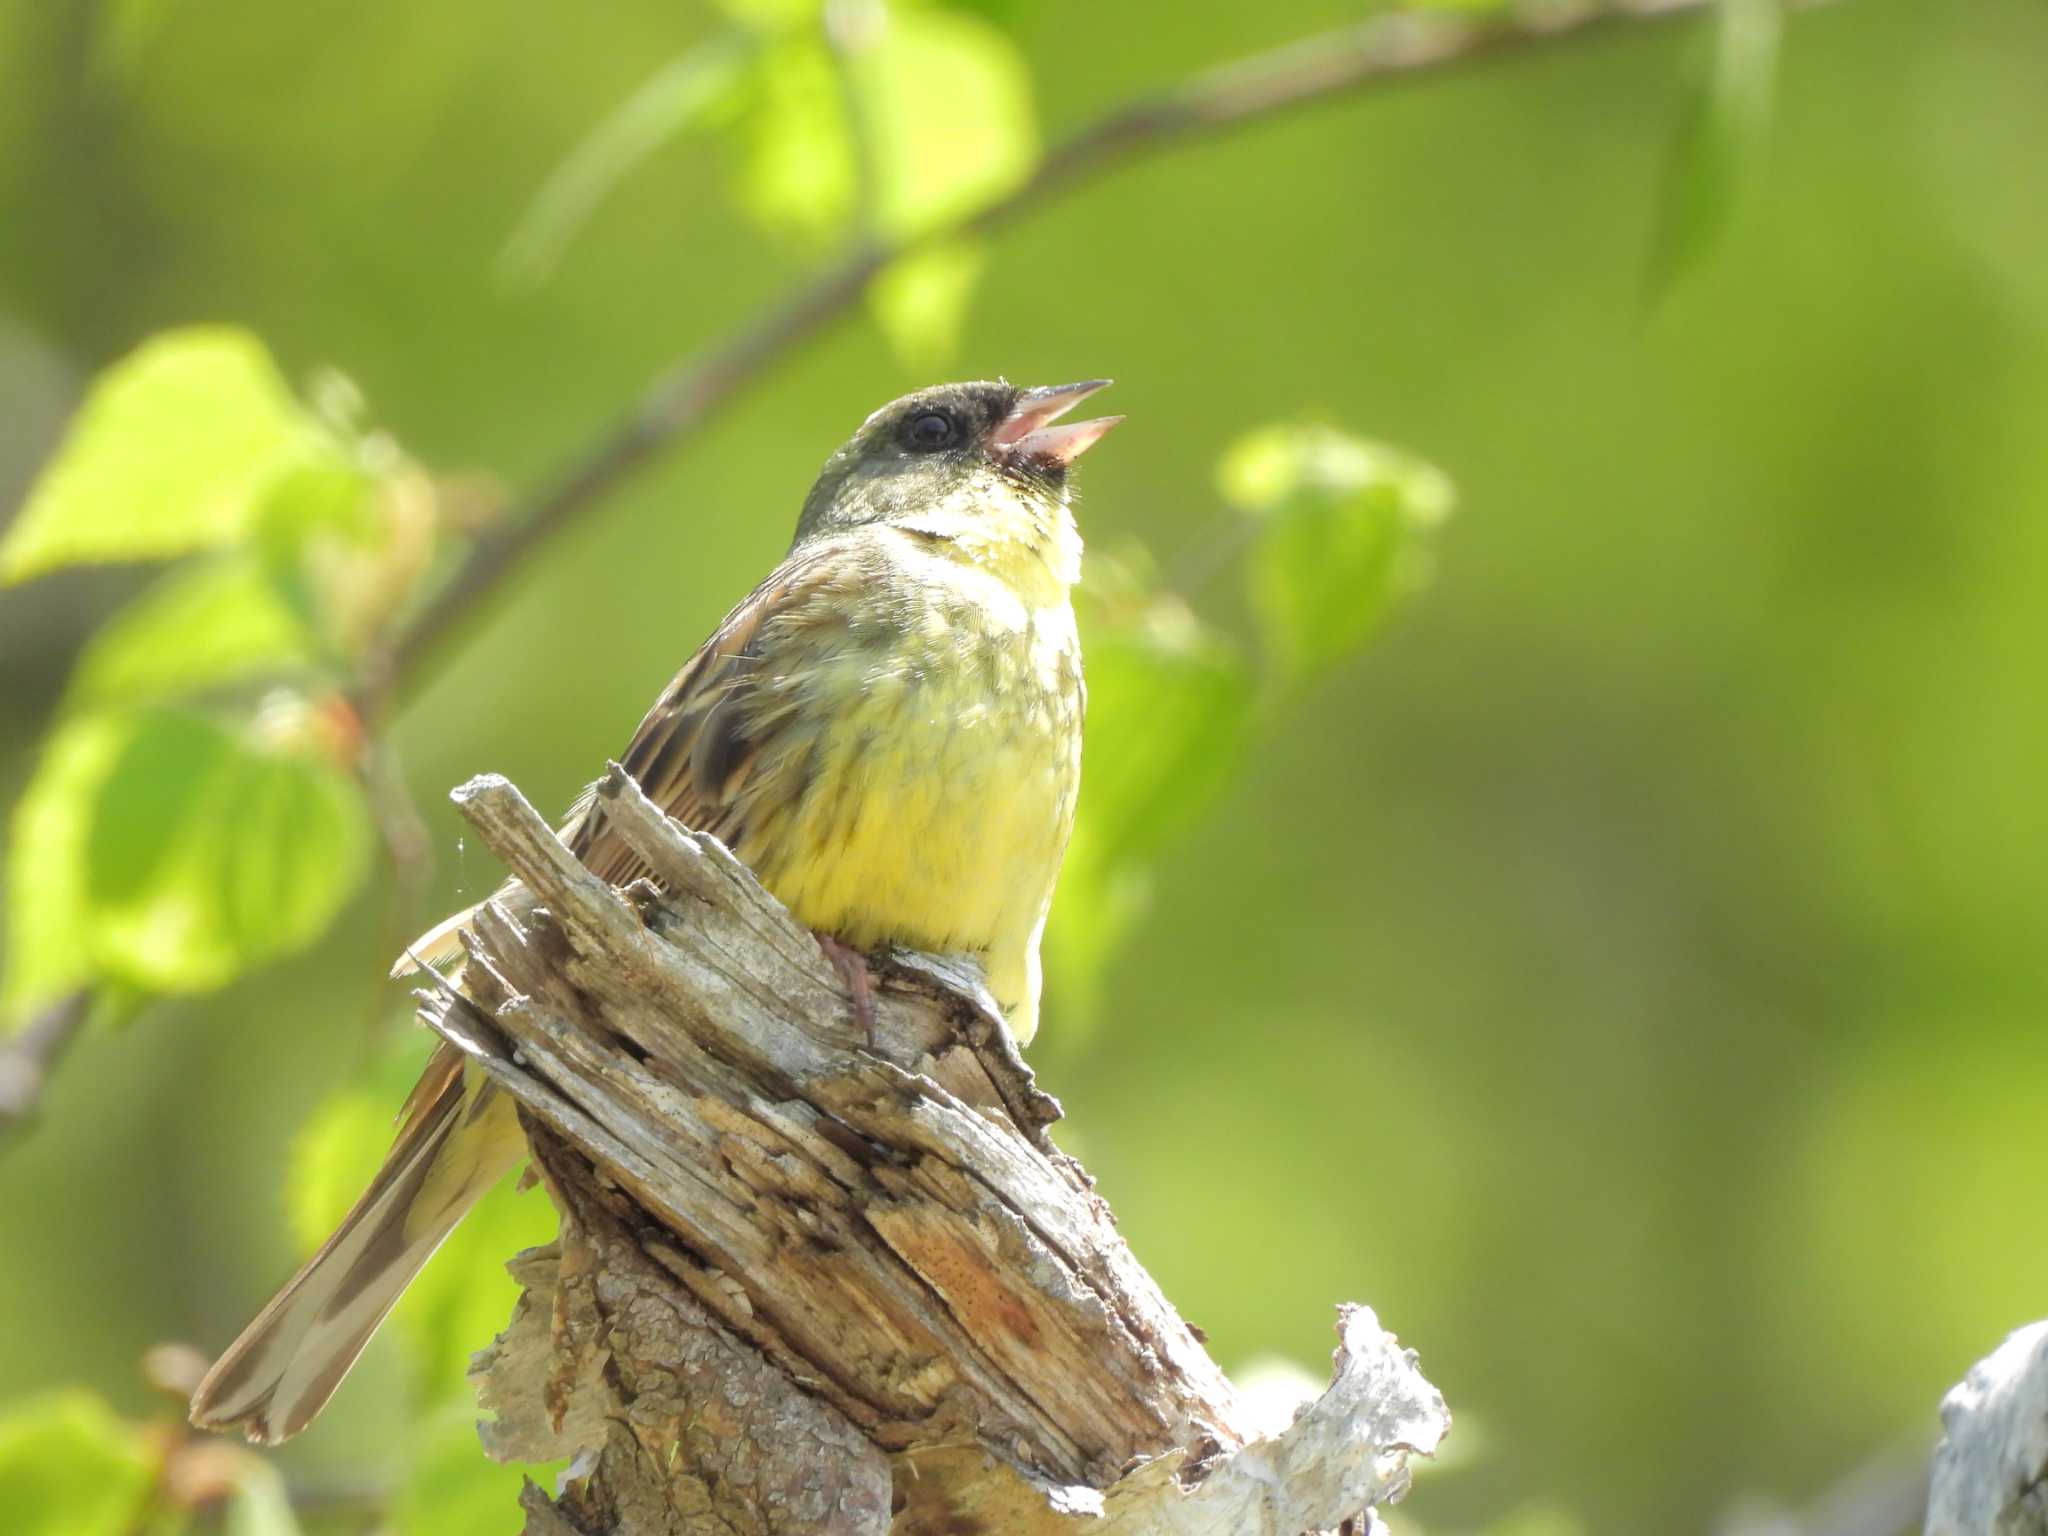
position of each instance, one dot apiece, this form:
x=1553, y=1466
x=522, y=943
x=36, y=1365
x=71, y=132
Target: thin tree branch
x=1381, y=51
x=409, y=852
x=28, y=1058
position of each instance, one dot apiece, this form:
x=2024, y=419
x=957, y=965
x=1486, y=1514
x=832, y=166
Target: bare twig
x=1381, y=51
x=409, y=851
x=28, y=1058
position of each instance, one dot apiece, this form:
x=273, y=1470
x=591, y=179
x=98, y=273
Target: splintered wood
x=820, y=1278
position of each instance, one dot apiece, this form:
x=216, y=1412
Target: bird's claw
x=852, y=967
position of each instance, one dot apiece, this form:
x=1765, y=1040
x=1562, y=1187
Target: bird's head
x=965, y=457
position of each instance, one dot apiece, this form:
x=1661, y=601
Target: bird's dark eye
x=929, y=431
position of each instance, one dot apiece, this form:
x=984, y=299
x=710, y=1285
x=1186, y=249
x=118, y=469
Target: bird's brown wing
x=728, y=739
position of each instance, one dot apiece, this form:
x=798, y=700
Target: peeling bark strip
x=810, y=1281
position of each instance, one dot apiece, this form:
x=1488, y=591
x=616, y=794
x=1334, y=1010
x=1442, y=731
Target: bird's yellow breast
x=940, y=781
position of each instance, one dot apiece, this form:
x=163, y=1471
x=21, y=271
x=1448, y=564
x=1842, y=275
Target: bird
x=886, y=731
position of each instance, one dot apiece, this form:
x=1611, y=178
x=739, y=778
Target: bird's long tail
x=457, y=1139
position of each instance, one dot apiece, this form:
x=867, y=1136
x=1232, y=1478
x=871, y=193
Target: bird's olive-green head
x=955, y=451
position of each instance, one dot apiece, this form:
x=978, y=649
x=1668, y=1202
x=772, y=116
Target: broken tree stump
x=813, y=1278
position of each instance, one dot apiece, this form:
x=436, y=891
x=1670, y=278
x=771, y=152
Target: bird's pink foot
x=852, y=967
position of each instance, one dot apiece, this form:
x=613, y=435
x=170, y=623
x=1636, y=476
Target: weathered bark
x=818, y=1279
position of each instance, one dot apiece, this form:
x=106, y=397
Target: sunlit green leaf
x=170, y=452
x=69, y=1467
x=1168, y=706
x=209, y=851
x=921, y=299
x=48, y=948
x=450, y=1485
x=1169, y=710
x=1263, y=470
x=346, y=547
x=947, y=98
x=797, y=158
x=1720, y=141
x=339, y=1149
x=1324, y=575
x=925, y=112
x=1096, y=909
x=214, y=621
x=464, y=1296
x=324, y=498
x=260, y=1504
x=1342, y=536
x=679, y=97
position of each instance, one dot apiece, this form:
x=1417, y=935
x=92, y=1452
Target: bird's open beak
x=1029, y=434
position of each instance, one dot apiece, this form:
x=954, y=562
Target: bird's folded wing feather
x=730, y=738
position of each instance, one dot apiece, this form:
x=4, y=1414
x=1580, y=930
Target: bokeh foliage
x=1627, y=979
x=206, y=800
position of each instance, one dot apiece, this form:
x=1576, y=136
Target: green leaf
x=1720, y=141
x=210, y=851
x=340, y=551
x=1095, y=911
x=797, y=172
x=1169, y=704
x=464, y=1296
x=48, y=942
x=171, y=452
x=212, y=622
x=325, y=499
x=1169, y=715
x=338, y=1151
x=920, y=300
x=937, y=77
x=450, y=1485
x=260, y=1504
x=823, y=130
x=1342, y=536
x=683, y=95
x=69, y=1467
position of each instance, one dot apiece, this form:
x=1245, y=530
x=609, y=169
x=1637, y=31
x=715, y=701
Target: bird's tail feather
x=288, y=1362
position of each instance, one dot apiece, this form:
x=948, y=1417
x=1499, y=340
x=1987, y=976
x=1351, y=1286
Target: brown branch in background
x=28, y=1058
x=409, y=851
x=1382, y=50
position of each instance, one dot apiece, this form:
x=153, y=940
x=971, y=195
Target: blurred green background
x=1628, y=978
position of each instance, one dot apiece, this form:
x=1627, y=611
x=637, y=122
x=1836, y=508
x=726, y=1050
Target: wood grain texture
x=816, y=1280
